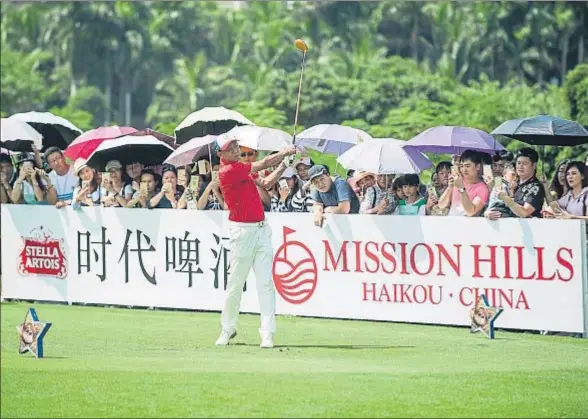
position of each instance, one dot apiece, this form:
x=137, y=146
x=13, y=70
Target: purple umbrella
x=454, y=140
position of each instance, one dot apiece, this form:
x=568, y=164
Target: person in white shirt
x=61, y=175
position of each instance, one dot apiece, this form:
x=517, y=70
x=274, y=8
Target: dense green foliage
x=392, y=68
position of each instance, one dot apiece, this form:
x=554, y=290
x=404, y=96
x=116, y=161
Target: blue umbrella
x=544, y=130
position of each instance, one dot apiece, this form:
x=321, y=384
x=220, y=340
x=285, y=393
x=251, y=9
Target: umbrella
x=454, y=140
x=85, y=144
x=331, y=138
x=170, y=141
x=56, y=131
x=208, y=121
x=384, y=156
x=127, y=149
x=19, y=136
x=193, y=150
x=261, y=138
x=544, y=130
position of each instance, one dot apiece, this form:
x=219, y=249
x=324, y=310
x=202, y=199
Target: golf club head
x=301, y=45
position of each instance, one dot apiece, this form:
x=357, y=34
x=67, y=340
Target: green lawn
x=104, y=362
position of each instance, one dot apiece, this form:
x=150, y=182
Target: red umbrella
x=85, y=144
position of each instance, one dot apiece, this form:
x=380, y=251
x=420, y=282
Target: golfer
x=250, y=242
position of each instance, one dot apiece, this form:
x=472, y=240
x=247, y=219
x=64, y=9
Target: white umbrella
x=193, y=150
x=331, y=138
x=261, y=138
x=18, y=135
x=208, y=121
x=56, y=131
x=145, y=149
x=384, y=156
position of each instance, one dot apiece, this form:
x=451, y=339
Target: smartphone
x=454, y=171
x=106, y=177
x=487, y=171
x=432, y=191
x=195, y=183
x=85, y=184
x=143, y=187
x=498, y=182
x=283, y=183
x=215, y=175
x=202, y=169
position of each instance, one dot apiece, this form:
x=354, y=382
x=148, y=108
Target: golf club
x=301, y=46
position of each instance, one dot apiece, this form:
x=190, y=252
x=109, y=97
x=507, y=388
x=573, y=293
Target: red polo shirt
x=240, y=192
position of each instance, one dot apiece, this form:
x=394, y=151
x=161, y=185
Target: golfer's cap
x=288, y=173
x=79, y=164
x=224, y=141
x=316, y=171
x=112, y=164
x=303, y=160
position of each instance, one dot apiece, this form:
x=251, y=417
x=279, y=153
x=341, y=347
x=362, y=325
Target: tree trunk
x=564, y=58
x=128, y=108
x=581, y=49
x=414, y=40
x=108, y=91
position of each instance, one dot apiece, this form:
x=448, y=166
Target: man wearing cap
x=249, y=237
x=330, y=195
x=61, y=175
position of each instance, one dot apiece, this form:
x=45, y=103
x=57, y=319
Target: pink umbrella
x=191, y=151
x=85, y=144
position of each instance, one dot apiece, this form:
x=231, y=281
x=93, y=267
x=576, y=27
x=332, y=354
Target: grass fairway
x=104, y=362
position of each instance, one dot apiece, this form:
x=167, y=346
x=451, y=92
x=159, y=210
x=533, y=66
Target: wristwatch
x=461, y=190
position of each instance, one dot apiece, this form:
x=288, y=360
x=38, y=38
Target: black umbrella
x=56, y=131
x=146, y=149
x=544, y=130
x=208, y=121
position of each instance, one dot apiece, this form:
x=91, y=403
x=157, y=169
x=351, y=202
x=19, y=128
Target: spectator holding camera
x=89, y=191
x=529, y=194
x=117, y=193
x=466, y=194
x=33, y=185
x=170, y=192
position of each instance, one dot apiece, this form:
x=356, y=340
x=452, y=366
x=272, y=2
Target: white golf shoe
x=267, y=340
x=225, y=337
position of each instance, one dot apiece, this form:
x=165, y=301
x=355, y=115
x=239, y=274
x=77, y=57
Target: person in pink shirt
x=574, y=203
x=466, y=194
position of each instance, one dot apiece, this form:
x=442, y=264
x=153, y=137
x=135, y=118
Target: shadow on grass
x=331, y=346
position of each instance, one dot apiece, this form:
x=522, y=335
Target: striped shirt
x=64, y=185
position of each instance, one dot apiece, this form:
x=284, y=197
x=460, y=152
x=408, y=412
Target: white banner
x=406, y=269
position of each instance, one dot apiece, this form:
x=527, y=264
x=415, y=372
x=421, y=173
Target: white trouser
x=250, y=245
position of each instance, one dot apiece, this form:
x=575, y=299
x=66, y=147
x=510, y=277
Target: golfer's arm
x=272, y=178
x=269, y=161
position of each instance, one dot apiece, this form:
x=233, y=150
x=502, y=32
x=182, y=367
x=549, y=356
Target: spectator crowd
x=472, y=184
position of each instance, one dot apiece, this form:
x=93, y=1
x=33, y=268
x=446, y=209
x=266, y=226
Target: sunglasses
x=248, y=154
